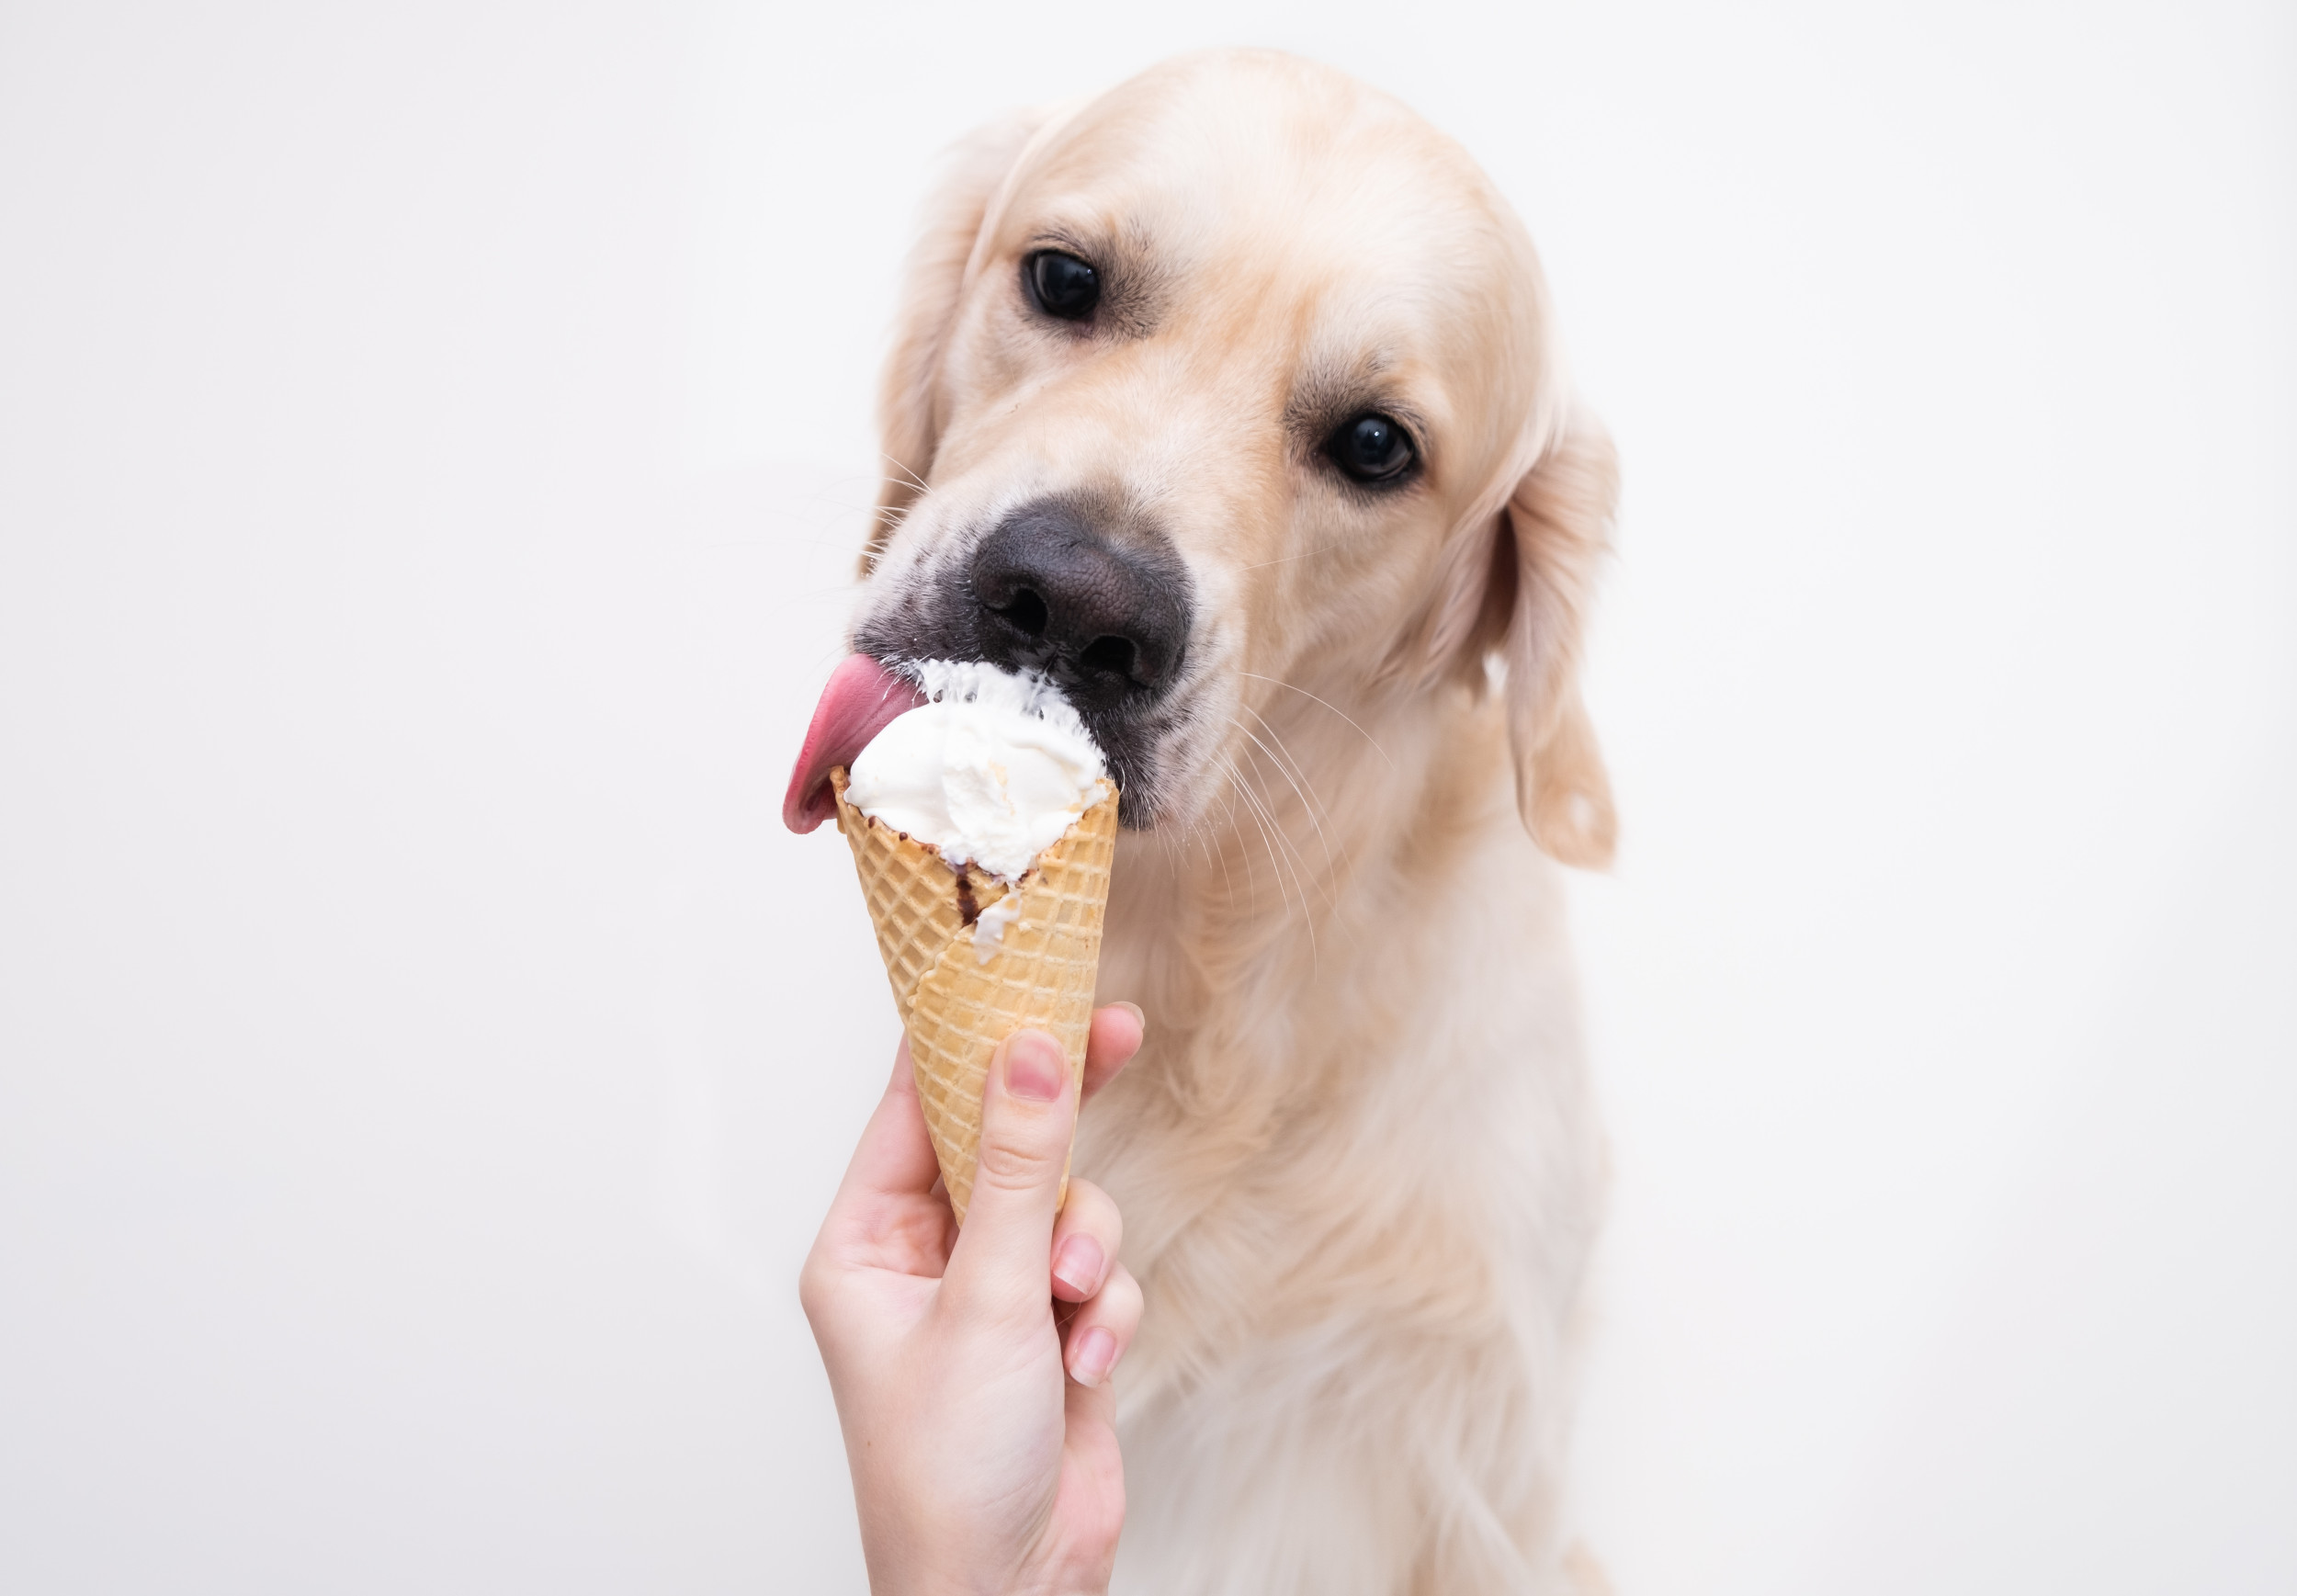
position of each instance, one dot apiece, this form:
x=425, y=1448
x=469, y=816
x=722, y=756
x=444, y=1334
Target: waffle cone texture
x=959, y=1000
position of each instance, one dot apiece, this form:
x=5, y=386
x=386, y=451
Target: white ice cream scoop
x=990, y=771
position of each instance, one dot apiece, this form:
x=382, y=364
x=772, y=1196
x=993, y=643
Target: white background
x=433, y=441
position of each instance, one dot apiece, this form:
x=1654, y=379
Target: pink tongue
x=861, y=698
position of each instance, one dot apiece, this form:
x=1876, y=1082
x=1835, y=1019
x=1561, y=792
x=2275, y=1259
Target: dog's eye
x=1062, y=285
x=1370, y=448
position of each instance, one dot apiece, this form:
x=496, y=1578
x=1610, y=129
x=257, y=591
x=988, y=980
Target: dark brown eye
x=1062, y=285
x=1370, y=448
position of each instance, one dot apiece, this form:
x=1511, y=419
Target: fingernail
x=1088, y=1360
x=1078, y=1265
x=1139, y=1018
x=1034, y=1067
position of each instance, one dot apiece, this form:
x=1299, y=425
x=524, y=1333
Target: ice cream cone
x=958, y=994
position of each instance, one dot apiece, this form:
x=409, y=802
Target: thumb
x=1003, y=1254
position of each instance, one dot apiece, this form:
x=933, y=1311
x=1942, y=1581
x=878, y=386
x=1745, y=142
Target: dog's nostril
x=1028, y=612
x=1113, y=654
x=1105, y=617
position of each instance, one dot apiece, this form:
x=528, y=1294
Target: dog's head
x=1239, y=375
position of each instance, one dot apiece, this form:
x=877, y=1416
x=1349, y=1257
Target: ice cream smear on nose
x=990, y=771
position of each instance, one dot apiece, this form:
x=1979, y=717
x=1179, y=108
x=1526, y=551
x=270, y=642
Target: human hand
x=971, y=1367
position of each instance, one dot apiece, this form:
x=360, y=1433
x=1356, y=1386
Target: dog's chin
x=1177, y=770
x=1141, y=752
x=1140, y=763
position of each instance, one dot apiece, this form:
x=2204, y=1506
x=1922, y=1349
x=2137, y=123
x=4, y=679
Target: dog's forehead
x=1283, y=178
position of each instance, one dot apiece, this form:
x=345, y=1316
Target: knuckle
x=1121, y=1300
x=825, y=1290
x=1014, y=1164
x=1093, y=1210
x=817, y=1283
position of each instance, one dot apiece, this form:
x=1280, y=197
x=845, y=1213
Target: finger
x=1117, y=1033
x=1102, y=1330
x=1028, y=1113
x=895, y=1159
x=1085, y=1240
x=1089, y=1458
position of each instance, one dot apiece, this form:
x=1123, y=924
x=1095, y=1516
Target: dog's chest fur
x=1360, y=1173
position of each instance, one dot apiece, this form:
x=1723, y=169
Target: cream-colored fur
x=1359, y=1167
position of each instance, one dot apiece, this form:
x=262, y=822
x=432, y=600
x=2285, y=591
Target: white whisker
x=1239, y=791
x=1286, y=558
x=1272, y=834
x=1334, y=708
x=907, y=475
x=1287, y=762
x=1307, y=803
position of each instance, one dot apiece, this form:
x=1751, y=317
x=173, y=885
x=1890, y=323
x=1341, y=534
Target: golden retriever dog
x=1230, y=400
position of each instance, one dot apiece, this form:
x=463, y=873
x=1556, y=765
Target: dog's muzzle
x=1098, y=603
x=1106, y=620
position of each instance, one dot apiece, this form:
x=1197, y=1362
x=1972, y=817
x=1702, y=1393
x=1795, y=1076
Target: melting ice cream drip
x=989, y=928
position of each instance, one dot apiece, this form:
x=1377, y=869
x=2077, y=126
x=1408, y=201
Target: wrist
x=921, y=1567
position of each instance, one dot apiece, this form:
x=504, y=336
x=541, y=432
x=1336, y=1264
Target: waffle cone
x=957, y=1001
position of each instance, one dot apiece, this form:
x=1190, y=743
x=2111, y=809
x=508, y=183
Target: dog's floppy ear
x=1551, y=535
x=933, y=280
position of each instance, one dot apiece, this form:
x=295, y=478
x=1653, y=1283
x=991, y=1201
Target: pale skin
x=971, y=1368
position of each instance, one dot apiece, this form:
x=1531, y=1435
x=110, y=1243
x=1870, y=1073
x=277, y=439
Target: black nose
x=1105, y=617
